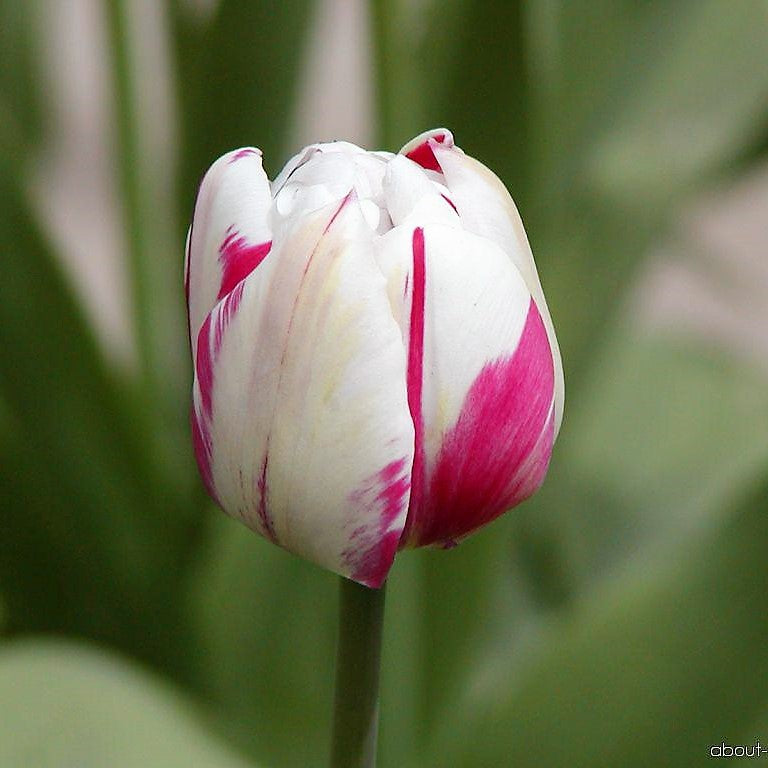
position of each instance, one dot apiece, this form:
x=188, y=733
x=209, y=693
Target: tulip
x=375, y=366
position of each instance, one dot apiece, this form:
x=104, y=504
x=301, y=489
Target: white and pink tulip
x=375, y=366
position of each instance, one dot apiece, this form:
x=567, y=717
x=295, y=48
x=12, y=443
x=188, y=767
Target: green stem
x=358, y=655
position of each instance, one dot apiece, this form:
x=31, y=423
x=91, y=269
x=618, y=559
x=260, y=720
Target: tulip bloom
x=375, y=366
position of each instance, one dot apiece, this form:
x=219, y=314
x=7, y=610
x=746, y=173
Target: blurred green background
x=619, y=618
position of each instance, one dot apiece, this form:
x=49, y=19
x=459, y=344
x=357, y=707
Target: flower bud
x=375, y=366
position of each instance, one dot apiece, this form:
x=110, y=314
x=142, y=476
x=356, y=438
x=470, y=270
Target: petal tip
x=421, y=149
x=239, y=154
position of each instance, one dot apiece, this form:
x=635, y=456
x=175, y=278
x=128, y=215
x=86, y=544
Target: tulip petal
x=326, y=172
x=480, y=378
x=487, y=209
x=311, y=441
x=230, y=235
x=421, y=149
x=497, y=453
x=411, y=196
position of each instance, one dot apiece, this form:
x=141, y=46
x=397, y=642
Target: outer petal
x=311, y=441
x=486, y=208
x=229, y=235
x=480, y=379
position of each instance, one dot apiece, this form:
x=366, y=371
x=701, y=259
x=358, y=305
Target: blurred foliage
x=615, y=619
x=62, y=704
x=647, y=671
x=19, y=99
x=88, y=524
x=237, y=74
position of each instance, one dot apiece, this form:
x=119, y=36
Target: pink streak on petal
x=498, y=452
x=201, y=433
x=450, y=202
x=393, y=485
x=209, y=341
x=262, y=511
x=372, y=546
x=201, y=441
x=204, y=364
x=225, y=313
x=415, y=373
x=351, y=195
x=186, y=275
x=238, y=259
x=241, y=153
x=423, y=154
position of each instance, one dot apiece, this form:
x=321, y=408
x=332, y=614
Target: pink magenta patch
x=423, y=154
x=205, y=365
x=498, y=452
x=415, y=373
x=201, y=442
x=238, y=259
x=379, y=502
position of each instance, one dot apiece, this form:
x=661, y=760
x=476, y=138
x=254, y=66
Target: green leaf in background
x=63, y=705
x=667, y=432
x=266, y=627
x=431, y=71
x=630, y=80
x=237, y=81
x=691, y=440
x=401, y=728
x=481, y=91
x=265, y=623
x=93, y=532
x=689, y=443
x=19, y=105
x=695, y=99
x=663, y=662
x=149, y=217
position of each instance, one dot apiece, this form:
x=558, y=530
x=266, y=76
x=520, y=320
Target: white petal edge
x=234, y=197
